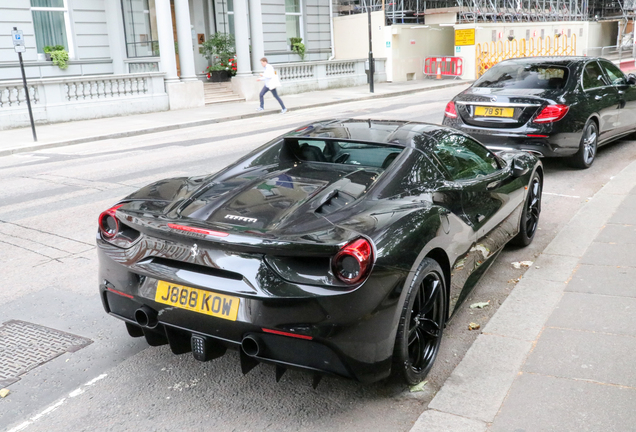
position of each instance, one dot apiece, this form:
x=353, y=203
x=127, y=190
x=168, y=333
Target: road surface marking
x=56, y=405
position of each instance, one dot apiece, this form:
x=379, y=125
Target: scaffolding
x=415, y=11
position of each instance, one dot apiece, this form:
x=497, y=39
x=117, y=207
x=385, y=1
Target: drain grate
x=24, y=346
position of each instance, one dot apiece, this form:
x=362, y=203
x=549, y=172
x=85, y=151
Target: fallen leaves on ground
x=480, y=305
x=473, y=326
x=4, y=393
x=519, y=264
x=418, y=387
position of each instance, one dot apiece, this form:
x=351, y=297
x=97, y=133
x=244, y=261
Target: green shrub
x=219, y=48
x=298, y=46
x=60, y=58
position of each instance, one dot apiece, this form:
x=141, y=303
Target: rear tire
x=588, y=146
x=531, y=210
x=421, y=323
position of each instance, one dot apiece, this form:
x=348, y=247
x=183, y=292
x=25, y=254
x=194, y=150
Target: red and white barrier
x=443, y=66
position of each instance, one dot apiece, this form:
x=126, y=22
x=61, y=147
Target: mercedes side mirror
x=519, y=168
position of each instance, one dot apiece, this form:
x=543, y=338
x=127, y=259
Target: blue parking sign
x=18, y=37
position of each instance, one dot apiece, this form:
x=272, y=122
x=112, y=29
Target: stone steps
x=220, y=93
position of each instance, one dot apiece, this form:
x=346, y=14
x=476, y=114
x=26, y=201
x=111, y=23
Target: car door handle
x=621, y=92
x=598, y=97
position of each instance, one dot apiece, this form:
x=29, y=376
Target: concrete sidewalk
x=558, y=354
x=61, y=134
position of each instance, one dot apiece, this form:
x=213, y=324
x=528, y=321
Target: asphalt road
x=49, y=203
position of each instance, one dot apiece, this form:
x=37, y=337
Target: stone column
x=242, y=41
x=184, y=40
x=256, y=34
x=166, y=41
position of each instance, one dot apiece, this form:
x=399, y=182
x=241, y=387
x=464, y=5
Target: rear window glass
x=524, y=77
x=343, y=152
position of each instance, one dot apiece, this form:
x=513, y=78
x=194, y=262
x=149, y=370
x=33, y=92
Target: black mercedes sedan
x=548, y=106
x=340, y=248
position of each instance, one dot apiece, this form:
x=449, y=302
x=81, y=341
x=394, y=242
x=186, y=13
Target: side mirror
x=519, y=168
x=631, y=79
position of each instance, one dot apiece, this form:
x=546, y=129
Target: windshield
x=524, y=76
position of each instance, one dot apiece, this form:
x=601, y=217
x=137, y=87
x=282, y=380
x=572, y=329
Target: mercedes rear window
x=334, y=151
x=524, y=76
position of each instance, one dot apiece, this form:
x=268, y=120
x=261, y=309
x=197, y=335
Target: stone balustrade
x=320, y=75
x=313, y=75
x=81, y=97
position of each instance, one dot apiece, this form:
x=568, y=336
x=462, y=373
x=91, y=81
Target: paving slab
x=479, y=384
x=618, y=254
x=607, y=280
x=618, y=233
x=585, y=355
x=435, y=421
x=626, y=213
x=547, y=404
x=526, y=309
x=595, y=313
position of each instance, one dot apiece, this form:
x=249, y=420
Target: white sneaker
x=259, y=109
x=283, y=111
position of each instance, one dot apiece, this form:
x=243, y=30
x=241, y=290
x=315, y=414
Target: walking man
x=271, y=83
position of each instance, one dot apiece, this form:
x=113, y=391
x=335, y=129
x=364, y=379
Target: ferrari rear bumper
x=348, y=334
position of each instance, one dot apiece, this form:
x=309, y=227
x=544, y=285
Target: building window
x=140, y=28
x=293, y=19
x=224, y=10
x=51, y=24
x=230, y=16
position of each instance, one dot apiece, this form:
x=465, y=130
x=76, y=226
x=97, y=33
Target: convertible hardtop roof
x=393, y=132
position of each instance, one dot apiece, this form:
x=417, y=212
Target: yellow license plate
x=197, y=300
x=494, y=112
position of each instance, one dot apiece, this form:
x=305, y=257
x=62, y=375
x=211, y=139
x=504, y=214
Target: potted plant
x=298, y=46
x=217, y=73
x=48, y=49
x=57, y=54
x=219, y=50
x=60, y=58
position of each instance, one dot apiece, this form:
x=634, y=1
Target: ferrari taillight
x=108, y=223
x=552, y=113
x=352, y=263
x=450, y=110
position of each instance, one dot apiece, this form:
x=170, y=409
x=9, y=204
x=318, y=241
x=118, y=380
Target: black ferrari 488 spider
x=340, y=248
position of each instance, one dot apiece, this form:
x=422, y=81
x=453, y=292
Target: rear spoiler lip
x=253, y=241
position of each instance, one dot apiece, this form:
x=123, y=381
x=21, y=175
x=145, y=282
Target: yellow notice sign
x=464, y=37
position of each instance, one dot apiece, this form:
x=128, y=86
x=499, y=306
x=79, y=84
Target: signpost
x=18, y=45
x=371, y=62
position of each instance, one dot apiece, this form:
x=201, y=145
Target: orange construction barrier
x=443, y=66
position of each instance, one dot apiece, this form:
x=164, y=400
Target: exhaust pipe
x=146, y=317
x=252, y=345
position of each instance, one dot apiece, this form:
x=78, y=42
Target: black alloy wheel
x=422, y=323
x=531, y=211
x=587, y=147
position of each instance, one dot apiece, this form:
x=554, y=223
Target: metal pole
x=371, y=66
x=26, y=92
